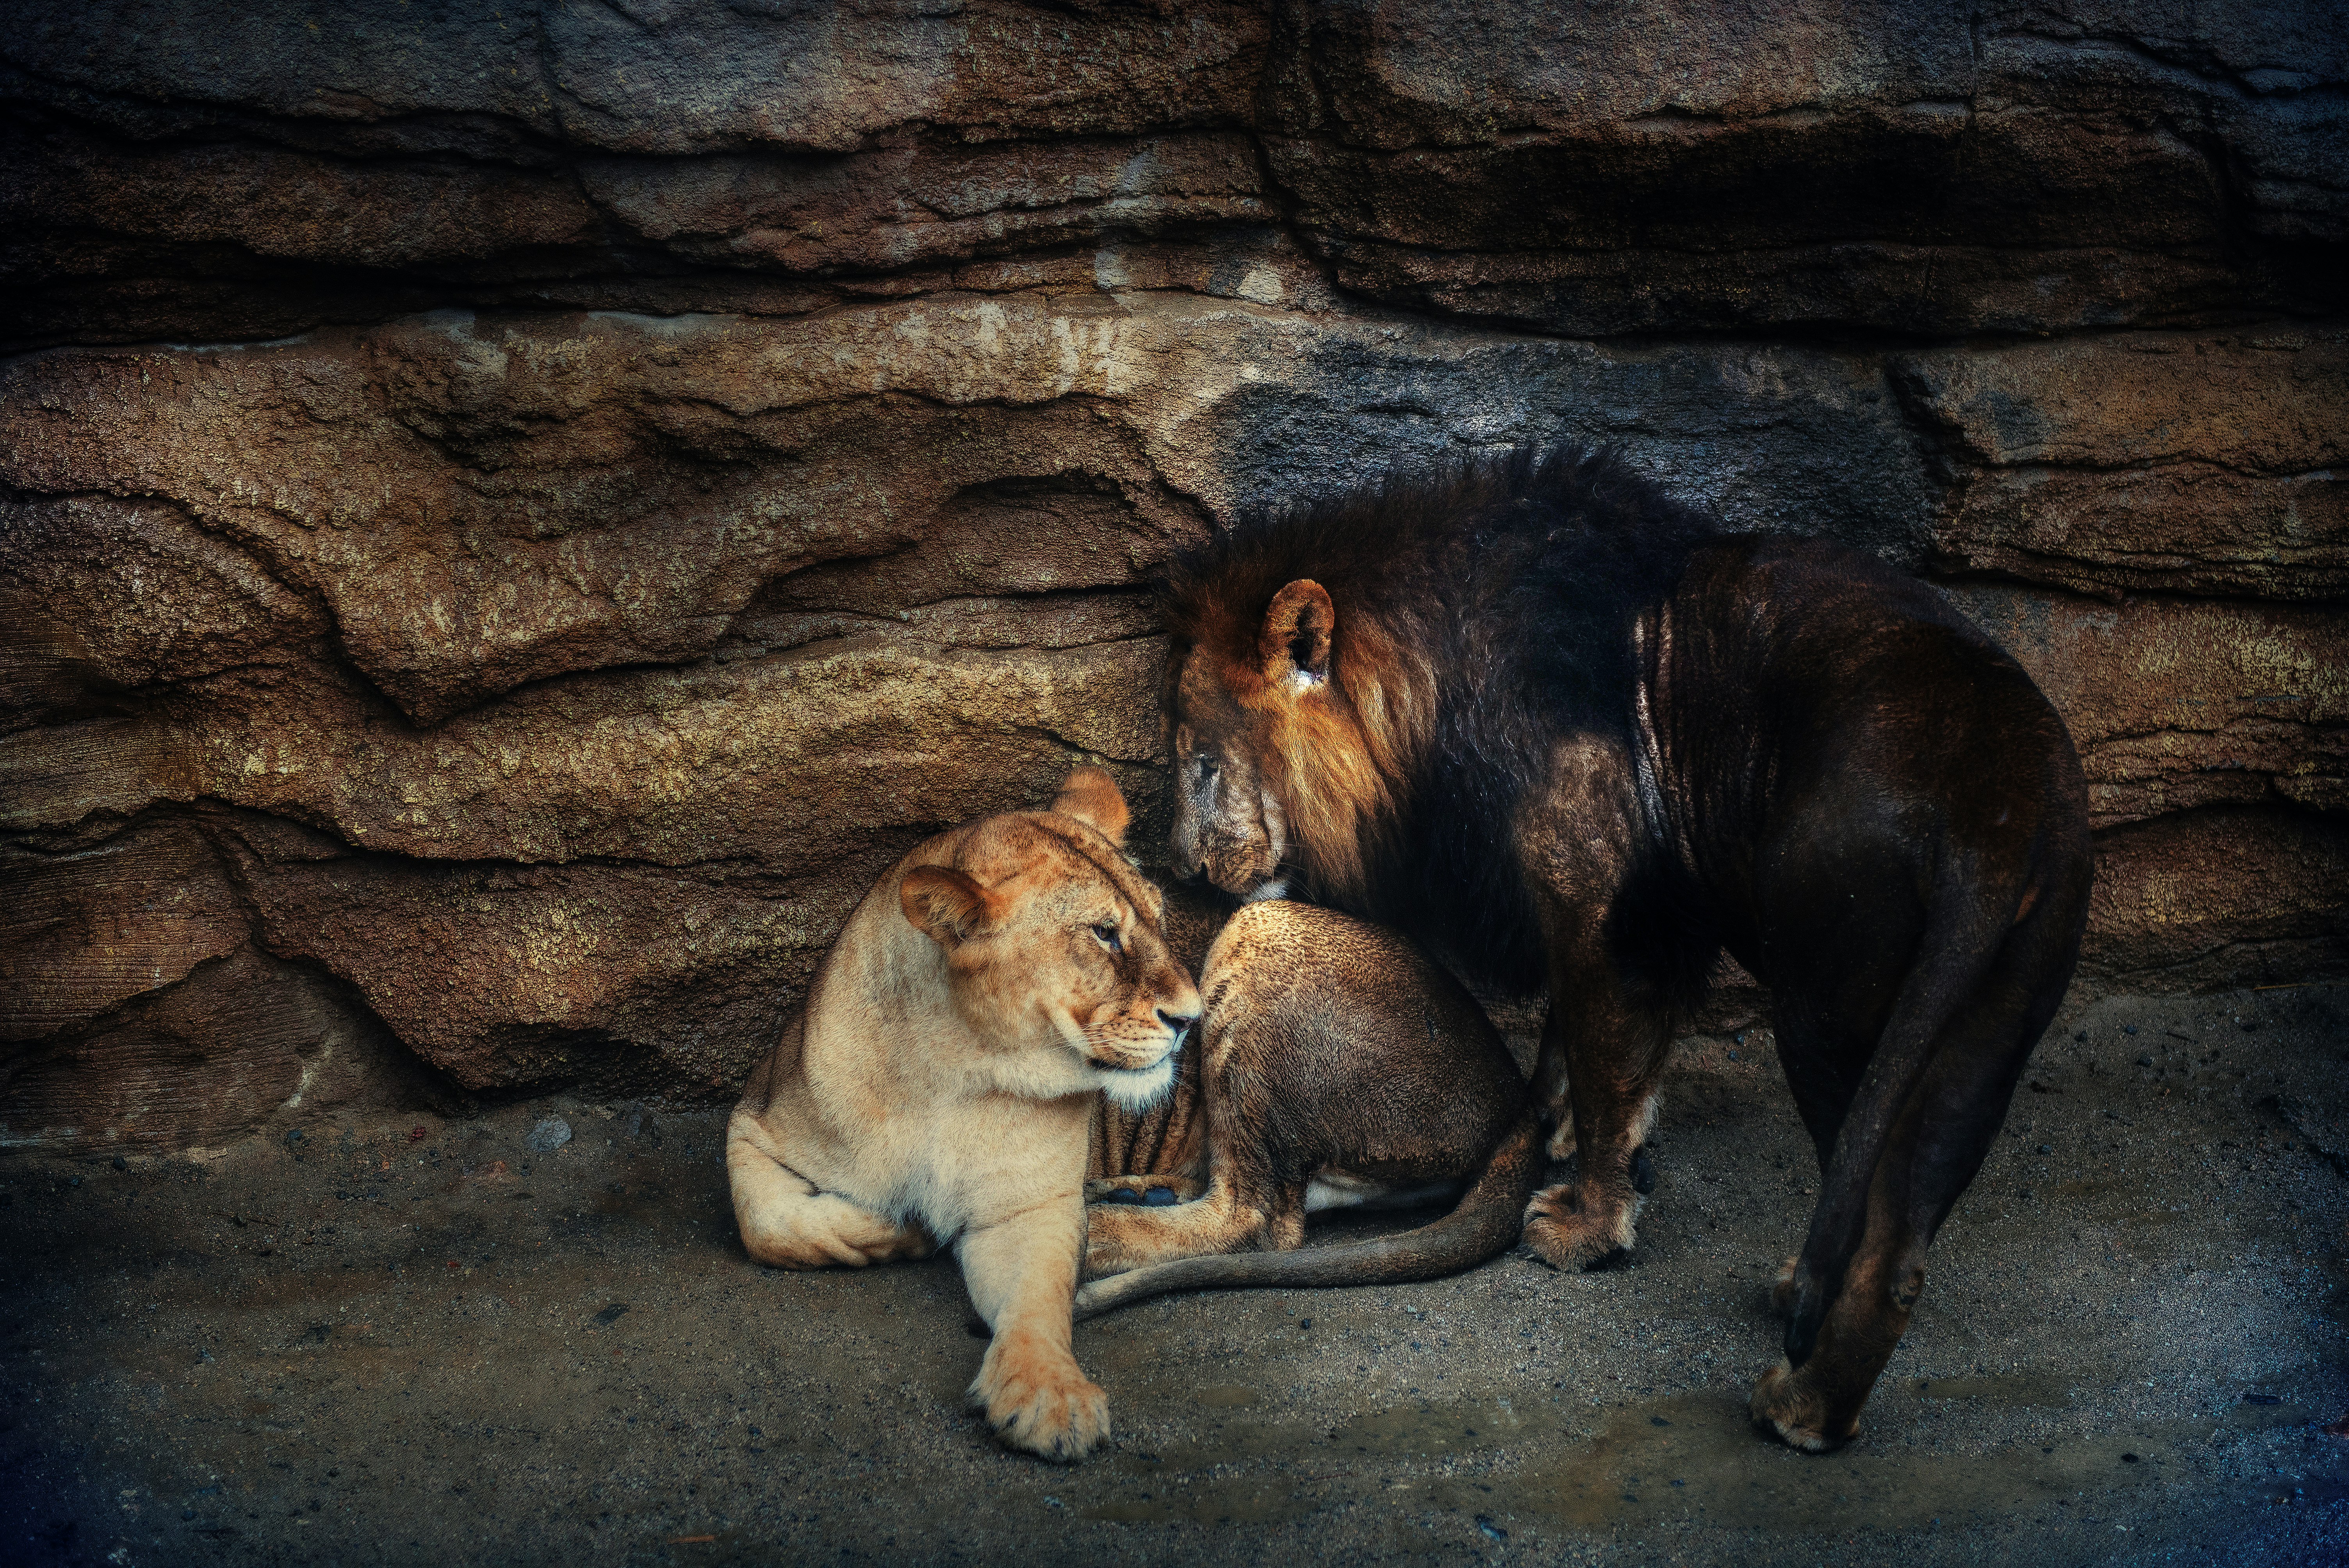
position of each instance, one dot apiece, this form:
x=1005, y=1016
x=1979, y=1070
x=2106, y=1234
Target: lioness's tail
x=1488, y=1221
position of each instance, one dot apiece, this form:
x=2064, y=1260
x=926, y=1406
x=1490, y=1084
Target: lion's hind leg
x=1121, y=1236
x=787, y=1221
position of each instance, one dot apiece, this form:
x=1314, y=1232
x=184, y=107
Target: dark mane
x=1507, y=586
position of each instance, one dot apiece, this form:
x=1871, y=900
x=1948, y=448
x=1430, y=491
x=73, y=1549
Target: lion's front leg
x=1022, y=1277
x=1613, y=1055
x=1603, y=1048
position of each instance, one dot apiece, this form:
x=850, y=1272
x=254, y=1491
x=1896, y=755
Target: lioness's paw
x=1564, y=1237
x=1040, y=1402
x=1786, y=1408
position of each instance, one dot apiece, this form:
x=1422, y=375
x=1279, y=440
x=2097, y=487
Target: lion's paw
x=1109, y=1245
x=1103, y=1259
x=1150, y=1191
x=1040, y=1401
x=1564, y=1237
x=1785, y=1407
x=1782, y=1290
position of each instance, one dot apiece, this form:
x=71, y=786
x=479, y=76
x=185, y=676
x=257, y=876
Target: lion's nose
x=1179, y=1021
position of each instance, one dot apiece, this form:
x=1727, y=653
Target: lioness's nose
x=1179, y=1021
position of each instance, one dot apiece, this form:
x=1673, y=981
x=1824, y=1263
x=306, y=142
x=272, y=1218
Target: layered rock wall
x=512, y=514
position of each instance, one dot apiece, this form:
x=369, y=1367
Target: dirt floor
x=425, y=1341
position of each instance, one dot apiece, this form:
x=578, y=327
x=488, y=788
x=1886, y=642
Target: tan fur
x=941, y=1086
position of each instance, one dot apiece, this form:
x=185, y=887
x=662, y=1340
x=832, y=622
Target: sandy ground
x=425, y=1342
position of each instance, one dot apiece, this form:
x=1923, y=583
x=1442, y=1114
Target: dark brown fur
x=1331, y=1052
x=1563, y=727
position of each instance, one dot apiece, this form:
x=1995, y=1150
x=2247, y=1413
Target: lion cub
x=941, y=1083
x=1338, y=1065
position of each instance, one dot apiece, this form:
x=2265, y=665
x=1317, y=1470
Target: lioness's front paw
x=1039, y=1401
x=1785, y=1407
x=1564, y=1237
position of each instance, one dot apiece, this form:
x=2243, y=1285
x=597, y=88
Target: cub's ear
x=1295, y=643
x=1091, y=797
x=945, y=905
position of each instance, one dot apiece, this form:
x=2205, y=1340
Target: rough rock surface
x=511, y=514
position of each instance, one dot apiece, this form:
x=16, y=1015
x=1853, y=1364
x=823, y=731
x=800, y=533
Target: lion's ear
x=1093, y=798
x=1295, y=643
x=945, y=905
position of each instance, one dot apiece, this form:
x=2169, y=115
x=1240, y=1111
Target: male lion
x=1566, y=729
x=939, y=1085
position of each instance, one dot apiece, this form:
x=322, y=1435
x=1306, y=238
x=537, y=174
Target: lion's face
x=1230, y=822
x=1054, y=951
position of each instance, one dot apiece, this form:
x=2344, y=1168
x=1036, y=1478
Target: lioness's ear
x=944, y=904
x=1295, y=644
x=1091, y=797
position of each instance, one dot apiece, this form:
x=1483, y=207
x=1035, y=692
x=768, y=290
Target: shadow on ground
x=429, y=1342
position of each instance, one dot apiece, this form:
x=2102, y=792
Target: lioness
x=1582, y=740
x=939, y=1086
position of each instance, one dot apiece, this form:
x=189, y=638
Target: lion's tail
x=1964, y=932
x=1487, y=1221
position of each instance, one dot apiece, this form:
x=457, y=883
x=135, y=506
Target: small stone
x=121, y=1163
x=2129, y=1458
x=612, y=1314
x=2044, y=1149
x=2082, y=1037
x=2128, y=1028
x=2145, y=1061
x=548, y=1136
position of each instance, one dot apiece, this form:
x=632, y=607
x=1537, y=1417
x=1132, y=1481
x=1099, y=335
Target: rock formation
x=511, y=513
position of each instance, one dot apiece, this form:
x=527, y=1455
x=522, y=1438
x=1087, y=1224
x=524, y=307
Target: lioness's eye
x=1108, y=934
